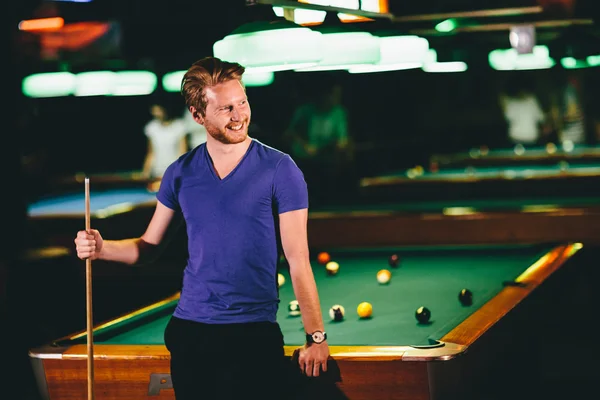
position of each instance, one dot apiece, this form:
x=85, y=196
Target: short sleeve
x=148, y=129
x=166, y=193
x=289, y=187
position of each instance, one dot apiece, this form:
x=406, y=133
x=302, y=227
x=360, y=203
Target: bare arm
x=312, y=358
x=130, y=251
x=295, y=246
x=146, y=168
x=183, y=145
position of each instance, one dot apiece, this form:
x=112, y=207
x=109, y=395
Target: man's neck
x=222, y=151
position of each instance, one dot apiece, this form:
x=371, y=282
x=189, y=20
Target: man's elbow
x=147, y=252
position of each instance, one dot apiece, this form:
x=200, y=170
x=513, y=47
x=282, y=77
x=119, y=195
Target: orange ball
x=364, y=310
x=323, y=258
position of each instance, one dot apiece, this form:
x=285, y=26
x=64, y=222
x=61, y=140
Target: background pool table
x=460, y=352
x=103, y=203
x=500, y=182
x=549, y=154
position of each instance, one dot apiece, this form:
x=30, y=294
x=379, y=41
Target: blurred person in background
x=167, y=138
x=527, y=122
x=319, y=140
x=568, y=112
x=196, y=132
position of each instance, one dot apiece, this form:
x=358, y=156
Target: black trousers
x=227, y=361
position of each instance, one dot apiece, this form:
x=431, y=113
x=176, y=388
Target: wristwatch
x=316, y=337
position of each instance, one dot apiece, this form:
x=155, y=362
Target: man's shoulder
x=269, y=152
x=182, y=165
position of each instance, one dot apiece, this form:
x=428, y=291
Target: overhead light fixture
x=447, y=25
x=268, y=46
x=432, y=64
x=511, y=60
x=171, y=81
x=51, y=84
x=134, y=83
x=397, y=52
x=310, y=12
x=344, y=46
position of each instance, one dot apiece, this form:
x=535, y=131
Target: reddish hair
x=205, y=73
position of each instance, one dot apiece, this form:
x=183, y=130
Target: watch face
x=318, y=337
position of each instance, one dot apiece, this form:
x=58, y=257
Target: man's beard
x=227, y=136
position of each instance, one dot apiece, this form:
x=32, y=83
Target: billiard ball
x=434, y=167
x=394, y=260
x=568, y=146
x=364, y=310
x=294, y=308
x=337, y=312
x=564, y=166
x=384, y=276
x=280, y=280
x=465, y=296
x=550, y=148
x=423, y=315
x=332, y=268
x=323, y=258
x=519, y=149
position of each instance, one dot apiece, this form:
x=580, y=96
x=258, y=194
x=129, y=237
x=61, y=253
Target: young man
x=238, y=198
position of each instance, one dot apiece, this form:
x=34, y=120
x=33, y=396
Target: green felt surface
x=427, y=276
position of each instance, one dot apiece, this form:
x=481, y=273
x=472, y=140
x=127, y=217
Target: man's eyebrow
x=230, y=103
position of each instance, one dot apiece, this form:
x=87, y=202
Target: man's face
x=227, y=114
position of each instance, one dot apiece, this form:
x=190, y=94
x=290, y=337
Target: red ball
x=323, y=258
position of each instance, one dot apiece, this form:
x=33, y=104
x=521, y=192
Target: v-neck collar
x=211, y=166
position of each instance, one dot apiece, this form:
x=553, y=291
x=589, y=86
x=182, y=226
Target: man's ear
x=197, y=116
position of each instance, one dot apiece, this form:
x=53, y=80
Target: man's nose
x=235, y=115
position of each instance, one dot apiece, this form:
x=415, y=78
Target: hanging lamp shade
x=271, y=46
x=432, y=64
x=397, y=52
x=344, y=46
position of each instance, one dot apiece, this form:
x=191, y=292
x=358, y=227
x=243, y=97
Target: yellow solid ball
x=280, y=279
x=364, y=310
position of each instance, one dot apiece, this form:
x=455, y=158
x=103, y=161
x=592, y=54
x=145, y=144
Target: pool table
x=125, y=212
x=498, y=182
x=461, y=351
x=549, y=154
x=519, y=220
x=103, y=203
x=119, y=212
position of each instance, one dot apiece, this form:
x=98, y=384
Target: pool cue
x=88, y=294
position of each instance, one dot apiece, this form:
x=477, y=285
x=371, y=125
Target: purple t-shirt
x=233, y=231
